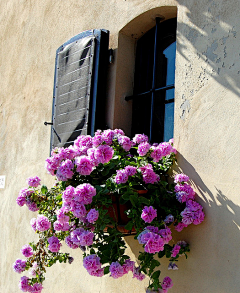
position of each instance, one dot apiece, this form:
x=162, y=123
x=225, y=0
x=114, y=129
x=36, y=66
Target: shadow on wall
x=211, y=258
x=208, y=38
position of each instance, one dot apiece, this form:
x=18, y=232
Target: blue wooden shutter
x=77, y=84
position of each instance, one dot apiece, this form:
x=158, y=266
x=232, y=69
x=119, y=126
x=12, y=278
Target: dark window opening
x=153, y=97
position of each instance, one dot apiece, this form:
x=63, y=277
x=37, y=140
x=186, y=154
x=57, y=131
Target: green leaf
x=155, y=275
x=129, y=226
x=143, y=200
x=59, y=197
x=106, y=270
x=44, y=189
x=126, y=196
x=134, y=200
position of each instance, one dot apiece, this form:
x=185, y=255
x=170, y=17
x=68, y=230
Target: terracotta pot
x=117, y=212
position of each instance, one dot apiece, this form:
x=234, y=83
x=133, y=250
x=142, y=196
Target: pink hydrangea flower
x=189, y=192
x=97, y=140
x=75, y=236
x=42, y=223
x=32, y=206
x=103, y=153
x=149, y=176
x=65, y=170
x=125, y=142
x=84, y=193
x=36, y=288
x=33, y=181
x=166, y=234
x=180, y=226
x=166, y=148
x=92, y=216
x=83, y=141
x=84, y=165
x=92, y=263
x=175, y=250
x=140, y=138
x=19, y=265
x=70, y=243
x=192, y=213
x=68, y=194
x=61, y=226
x=130, y=170
x=92, y=156
x=116, y=270
x=167, y=283
x=52, y=163
x=78, y=209
x=148, y=214
x=61, y=215
x=154, y=243
x=108, y=136
x=128, y=266
x=54, y=244
x=156, y=154
x=23, y=195
x=86, y=238
x=179, y=178
x=23, y=284
x=119, y=131
x=27, y=250
x=143, y=149
x=137, y=274
x=121, y=176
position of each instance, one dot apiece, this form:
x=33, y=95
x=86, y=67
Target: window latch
x=50, y=123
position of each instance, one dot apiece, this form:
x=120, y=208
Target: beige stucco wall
x=206, y=126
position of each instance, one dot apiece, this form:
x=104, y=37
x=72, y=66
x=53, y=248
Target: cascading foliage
x=79, y=209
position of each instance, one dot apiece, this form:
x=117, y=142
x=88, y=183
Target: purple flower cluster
x=33, y=181
x=27, y=250
x=92, y=216
x=172, y=266
x=149, y=176
x=152, y=240
x=184, y=192
x=79, y=237
x=25, y=287
x=140, y=138
x=166, y=284
x=179, y=178
x=143, y=149
x=54, y=244
x=137, y=274
x=175, y=250
x=123, y=174
x=74, y=200
x=193, y=213
x=19, y=265
x=42, y=223
x=93, y=266
x=117, y=270
x=23, y=195
x=148, y=214
x=162, y=150
x=125, y=142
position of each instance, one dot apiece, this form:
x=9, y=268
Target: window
x=153, y=96
x=79, y=87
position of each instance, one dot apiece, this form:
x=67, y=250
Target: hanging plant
x=102, y=183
